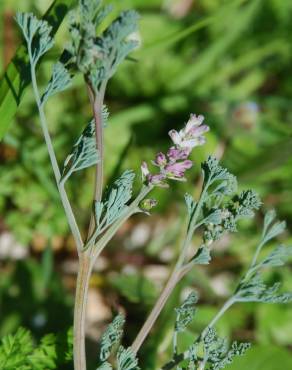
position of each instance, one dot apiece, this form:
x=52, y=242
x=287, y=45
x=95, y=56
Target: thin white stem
x=257, y=252
x=220, y=313
x=63, y=195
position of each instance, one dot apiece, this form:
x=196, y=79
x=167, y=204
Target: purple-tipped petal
x=178, y=169
x=160, y=160
x=194, y=121
x=157, y=180
x=175, y=154
x=198, y=131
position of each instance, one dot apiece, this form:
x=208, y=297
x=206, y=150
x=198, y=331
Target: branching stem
x=179, y=271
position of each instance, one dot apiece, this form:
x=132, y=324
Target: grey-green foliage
x=59, y=81
x=217, y=355
x=213, y=172
x=105, y=366
x=223, y=208
x=252, y=287
x=37, y=35
x=271, y=230
x=277, y=257
x=111, y=337
x=19, y=351
x=84, y=152
x=125, y=358
x=202, y=256
x=219, y=208
x=185, y=313
x=191, y=205
x=98, y=56
x=212, y=352
x=109, y=210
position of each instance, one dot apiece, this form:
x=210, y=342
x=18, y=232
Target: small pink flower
x=157, y=180
x=191, y=135
x=198, y=131
x=184, y=141
x=175, y=154
x=160, y=160
x=194, y=121
x=177, y=170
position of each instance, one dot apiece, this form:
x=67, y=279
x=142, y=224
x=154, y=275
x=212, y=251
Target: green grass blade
x=16, y=77
x=242, y=17
x=169, y=40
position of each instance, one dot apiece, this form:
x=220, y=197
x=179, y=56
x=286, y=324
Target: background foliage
x=228, y=60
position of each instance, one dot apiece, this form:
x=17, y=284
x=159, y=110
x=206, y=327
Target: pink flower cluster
x=173, y=165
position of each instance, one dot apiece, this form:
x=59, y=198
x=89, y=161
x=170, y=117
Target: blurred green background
x=228, y=60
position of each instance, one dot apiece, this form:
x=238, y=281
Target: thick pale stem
x=97, y=113
x=143, y=333
x=83, y=278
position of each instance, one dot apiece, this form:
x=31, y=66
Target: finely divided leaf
x=113, y=47
x=84, y=153
x=269, y=218
x=126, y=359
x=119, y=195
x=213, y=171
x=105, y=366
x=98, y=57
x=278, y=256
x=255, y=290
x=274, y=231
x=59, y=81
x=18, y=351
x=14, y=350
x=111, y=337
x=185, y=313
x=37, y=35
x=237, y=349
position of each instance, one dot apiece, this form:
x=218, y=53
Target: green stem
x=63, y=195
